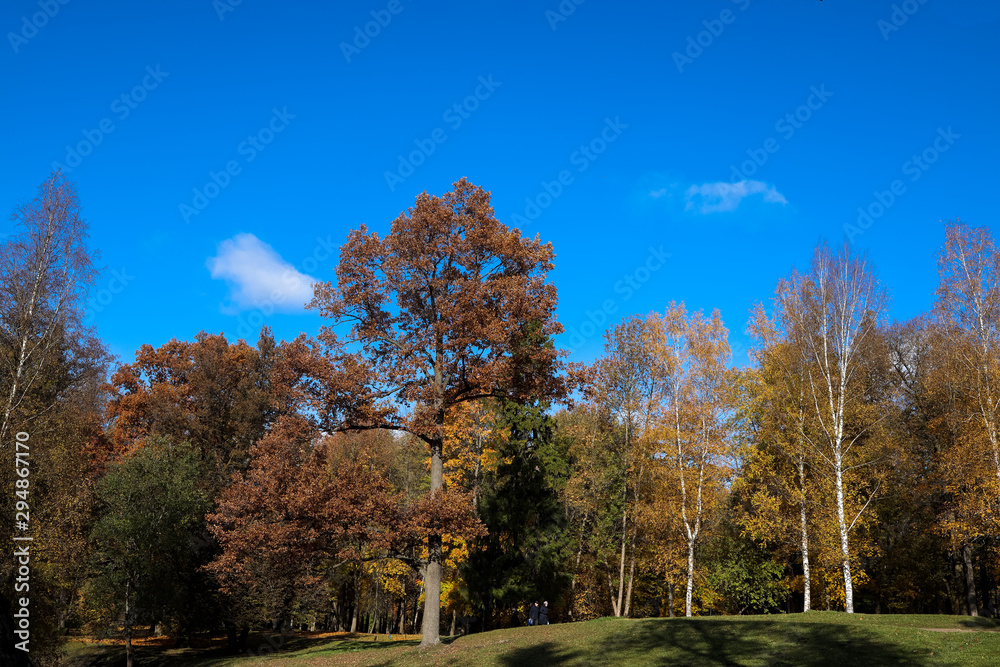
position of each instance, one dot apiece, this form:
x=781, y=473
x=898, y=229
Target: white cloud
x=719, y=197
x=258, y=277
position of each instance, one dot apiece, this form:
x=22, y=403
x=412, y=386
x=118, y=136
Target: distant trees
x=421, y=455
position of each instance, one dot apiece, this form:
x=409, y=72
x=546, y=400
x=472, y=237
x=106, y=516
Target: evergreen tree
x=524, y=555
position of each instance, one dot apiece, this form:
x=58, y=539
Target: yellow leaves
x=390, y=575
x=469, y=433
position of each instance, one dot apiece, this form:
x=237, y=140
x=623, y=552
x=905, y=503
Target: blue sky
x=670, y=151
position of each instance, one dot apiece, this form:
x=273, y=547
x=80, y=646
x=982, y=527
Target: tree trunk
x=614, y=601
x=454, y=619
x=670, y=597
x=621, y=567
x=631, y=578
x=690, y=579
x=576, y=570
x=354, y=610
x=845, y=549
x=807, y=582
x=416, y=608
x=431, y=629
x=129, y=654
x=970, y=580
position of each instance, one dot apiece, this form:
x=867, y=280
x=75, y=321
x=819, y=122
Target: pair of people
x=538, y=615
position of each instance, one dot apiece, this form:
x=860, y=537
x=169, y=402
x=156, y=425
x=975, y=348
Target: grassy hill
x=817, y=638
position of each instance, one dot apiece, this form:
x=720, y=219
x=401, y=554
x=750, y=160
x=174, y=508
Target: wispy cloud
x=258, y=277
x=720, y=197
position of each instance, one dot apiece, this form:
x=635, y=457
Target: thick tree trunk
x=431, y=629
x=970, y=580
x=354, y=611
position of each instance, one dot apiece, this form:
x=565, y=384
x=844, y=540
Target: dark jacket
x=533, y=614
x=543, y=615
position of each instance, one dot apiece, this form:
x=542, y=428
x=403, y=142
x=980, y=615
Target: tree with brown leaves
x=451, y=306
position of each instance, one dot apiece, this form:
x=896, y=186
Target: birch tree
x=693, y=352
x=831, y=316
x=968, y=308
x=631, y=384
x=45, y=270
x=778, y=471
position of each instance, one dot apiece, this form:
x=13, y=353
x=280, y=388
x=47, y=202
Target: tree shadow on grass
x=539, y=655
x=258, y=646
x=717, y=642
x=978, y=623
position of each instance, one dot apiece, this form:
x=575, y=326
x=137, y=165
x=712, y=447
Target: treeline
x=428, y=463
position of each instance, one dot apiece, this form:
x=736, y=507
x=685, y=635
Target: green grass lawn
x=816, y=638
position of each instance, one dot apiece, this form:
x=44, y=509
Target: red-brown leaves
x=436, y=310
x=218, y=395
x=448, y=511
x=306, y=498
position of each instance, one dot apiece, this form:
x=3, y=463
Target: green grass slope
x=817, y=638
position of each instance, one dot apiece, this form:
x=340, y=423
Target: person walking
x=533, y=613
x=543, y=613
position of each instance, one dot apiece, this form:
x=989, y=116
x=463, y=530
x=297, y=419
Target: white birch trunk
x=807, y=583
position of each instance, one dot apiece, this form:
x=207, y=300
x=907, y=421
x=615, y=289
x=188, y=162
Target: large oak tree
x=451, y=306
